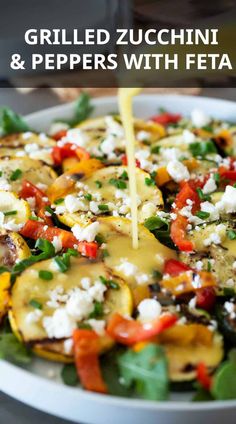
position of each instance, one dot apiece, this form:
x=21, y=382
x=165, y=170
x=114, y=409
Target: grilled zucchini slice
x=12, y=248
x=186, y=346
x=36, y=146
x=29, y=286
x=135, y=266
x=104, y=185
x=16, y=169
x=13, y=211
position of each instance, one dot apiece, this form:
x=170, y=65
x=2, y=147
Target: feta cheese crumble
x=178, y=171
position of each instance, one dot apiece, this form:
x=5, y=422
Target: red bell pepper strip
x=35, y=229
x=60, y=134
x=68, y=150
x=179, y=225
x=203, y=376
x=128, y=331
x=59, y=153
x=41, y=201
x=124, y=160
x=206, y=298
x=86, y=353
x=174, y=267
x=166, y=118
x=228, y=175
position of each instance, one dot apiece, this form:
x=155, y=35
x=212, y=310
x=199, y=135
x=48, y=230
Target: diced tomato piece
x=166, y=118
x=59, y=135
x=124, y=160
x=129, y=332
x=203, y=376
x=86, y=353
x=35, y=229
x=206, y=298
x=174, y=267
x=41, y=201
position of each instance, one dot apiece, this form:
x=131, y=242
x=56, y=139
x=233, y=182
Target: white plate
x=35, y=388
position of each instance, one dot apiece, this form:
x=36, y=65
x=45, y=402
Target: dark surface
x=12, y=411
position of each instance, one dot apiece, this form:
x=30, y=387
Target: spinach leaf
x=224, y=382
x=83, y=109
x=12, y=350
x=147, y=370
x=69, y=375
x=11, y=122
x=111, y=375
x=161, y=229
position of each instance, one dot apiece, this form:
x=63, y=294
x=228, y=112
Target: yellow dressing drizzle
x=125, y=96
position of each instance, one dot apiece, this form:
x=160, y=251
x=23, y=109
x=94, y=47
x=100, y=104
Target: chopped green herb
x=59, y=201
x=98, y=184
x=104, y=208
x=61, y=263
x=88, y=197
x=84, y=326
x=209, y=266
x=69, y=375
x=124, y=175
x=208, y=128
x=202, y=148
x=154, y=223
x=16, y=175
x=100, y=239
x=10, y=213
x=34, y=218
x=157, y=275
x=105, y=253
x=72, y=252
x=155, y=149
x=45, y=275
x=150, y=182
x=49, y=210
x=203, y=196
x=231, y=234
x=161, y=230
x=0, y=173
x=202, y=214
x=216, y=177
x=109, y=283
x=45, y=246
x=118, y=183
x=98, y=310
x=35, y=304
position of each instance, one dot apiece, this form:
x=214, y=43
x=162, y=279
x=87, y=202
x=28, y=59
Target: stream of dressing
x=125, y=96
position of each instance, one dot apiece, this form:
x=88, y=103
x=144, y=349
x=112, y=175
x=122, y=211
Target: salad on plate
x=131, y=322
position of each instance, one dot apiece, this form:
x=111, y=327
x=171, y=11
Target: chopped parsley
x=98, y=310
x=118, y=183
x=202, y=148
x=10, y=213
x=103, y=208
x=35, y=304
x=88, y=197
x=202, y=214
x=59, y=201
x=16, y=175
x=98, y=184
x=45, y=275
x=150, y=181
x=109, y=283
x=203, y=196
